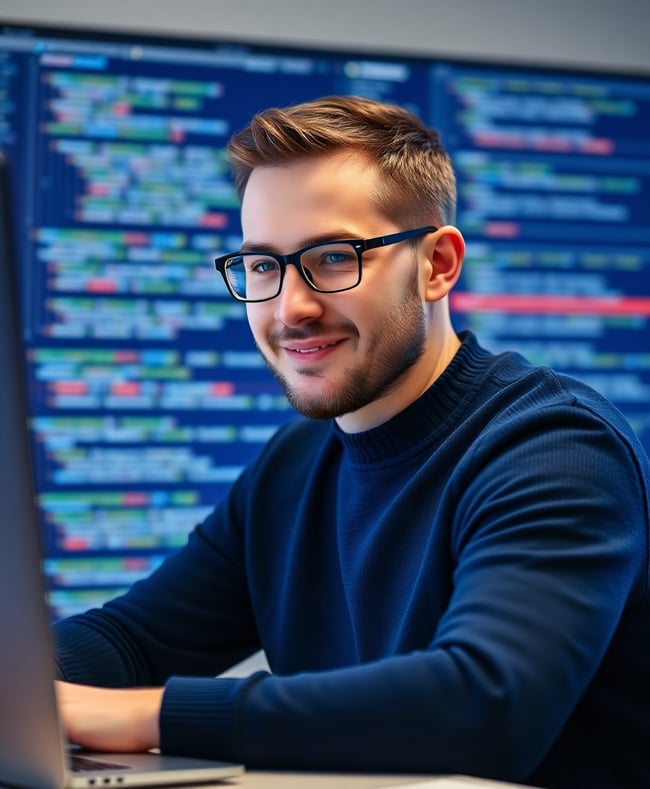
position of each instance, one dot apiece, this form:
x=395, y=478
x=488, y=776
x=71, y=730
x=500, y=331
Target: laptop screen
x=29, y=754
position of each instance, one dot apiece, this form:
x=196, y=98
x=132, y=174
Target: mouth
x=312, y=349
x=310, y=352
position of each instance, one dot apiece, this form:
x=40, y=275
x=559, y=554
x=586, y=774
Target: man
x=446, y=562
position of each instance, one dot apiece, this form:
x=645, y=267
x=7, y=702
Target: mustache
x=316, y=329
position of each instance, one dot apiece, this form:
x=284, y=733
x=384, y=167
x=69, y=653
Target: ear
x=445, y=251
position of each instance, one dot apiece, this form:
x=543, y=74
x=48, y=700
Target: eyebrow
x=337, y=235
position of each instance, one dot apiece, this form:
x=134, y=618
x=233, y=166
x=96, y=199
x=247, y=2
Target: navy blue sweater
x=462, y=589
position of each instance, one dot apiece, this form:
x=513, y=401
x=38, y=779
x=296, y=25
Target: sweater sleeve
x=550, y=546
x=191, y=616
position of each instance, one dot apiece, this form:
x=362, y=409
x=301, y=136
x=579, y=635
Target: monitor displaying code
x=147, y=395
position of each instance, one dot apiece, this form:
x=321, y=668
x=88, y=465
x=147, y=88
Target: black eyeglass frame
x=293, y=258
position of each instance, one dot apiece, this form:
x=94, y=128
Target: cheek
x=378, y=302
x=257, y=320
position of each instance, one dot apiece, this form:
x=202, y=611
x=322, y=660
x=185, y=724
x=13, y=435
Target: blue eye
x=264, y=265
x=337, y=257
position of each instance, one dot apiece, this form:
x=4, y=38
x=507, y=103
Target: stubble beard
x=394, y=349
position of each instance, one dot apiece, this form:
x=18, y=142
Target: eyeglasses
x=329, y=267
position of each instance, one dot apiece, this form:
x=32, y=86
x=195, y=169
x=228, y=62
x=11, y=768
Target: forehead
x=309, y=194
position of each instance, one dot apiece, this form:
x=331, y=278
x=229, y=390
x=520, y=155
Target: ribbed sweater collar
x=420, y=421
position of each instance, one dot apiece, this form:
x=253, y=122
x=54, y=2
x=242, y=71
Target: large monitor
x=146, y=394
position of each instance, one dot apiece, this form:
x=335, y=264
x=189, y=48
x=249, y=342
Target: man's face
x=335, y=354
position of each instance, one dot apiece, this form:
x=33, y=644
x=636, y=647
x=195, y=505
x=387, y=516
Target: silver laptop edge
x=32, y=753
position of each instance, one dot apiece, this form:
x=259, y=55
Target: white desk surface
x=257, y=779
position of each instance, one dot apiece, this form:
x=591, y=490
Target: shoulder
x=551, y=433
x=562, y=403
x=513, y=388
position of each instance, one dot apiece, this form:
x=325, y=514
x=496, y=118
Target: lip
x=311, y=351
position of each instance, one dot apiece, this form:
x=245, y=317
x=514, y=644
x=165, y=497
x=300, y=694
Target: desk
x=258, y=779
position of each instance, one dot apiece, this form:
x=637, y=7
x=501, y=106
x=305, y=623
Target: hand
x=108, y=719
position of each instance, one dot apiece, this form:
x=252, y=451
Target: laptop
x=32, y=749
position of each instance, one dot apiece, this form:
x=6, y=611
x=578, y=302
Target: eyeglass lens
x=327, y=267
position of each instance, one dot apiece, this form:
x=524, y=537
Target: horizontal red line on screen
x=544, y=304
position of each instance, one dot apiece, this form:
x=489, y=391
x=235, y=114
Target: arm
x=191, y=616
x=112, y=656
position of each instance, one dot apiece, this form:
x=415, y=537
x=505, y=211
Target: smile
x=314, y=349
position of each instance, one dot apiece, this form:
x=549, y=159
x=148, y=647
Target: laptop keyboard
x=80, y=764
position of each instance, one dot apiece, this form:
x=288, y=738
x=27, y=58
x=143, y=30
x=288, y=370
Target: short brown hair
x=418, y=183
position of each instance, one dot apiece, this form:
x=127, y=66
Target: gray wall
x=609, y=34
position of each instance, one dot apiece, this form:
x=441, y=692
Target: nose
x=297, y=302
